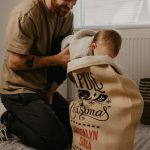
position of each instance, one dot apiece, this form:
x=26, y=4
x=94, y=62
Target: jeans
x=38, y=124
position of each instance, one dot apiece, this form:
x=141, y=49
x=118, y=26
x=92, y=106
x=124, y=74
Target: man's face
x=62, y=7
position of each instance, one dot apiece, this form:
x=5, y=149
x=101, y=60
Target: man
x=33, y=28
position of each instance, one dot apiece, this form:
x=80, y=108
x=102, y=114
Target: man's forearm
x=30, y=62
x=41, y=62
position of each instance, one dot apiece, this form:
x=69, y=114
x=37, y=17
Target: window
x=122, y=13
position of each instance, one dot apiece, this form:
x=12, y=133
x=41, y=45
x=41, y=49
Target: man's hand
x=63, y=57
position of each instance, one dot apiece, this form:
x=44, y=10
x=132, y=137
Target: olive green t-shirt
x=31, y=29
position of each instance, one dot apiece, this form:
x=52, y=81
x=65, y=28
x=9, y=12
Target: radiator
x=134, y=57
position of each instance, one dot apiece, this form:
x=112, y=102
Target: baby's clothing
x=79, y=43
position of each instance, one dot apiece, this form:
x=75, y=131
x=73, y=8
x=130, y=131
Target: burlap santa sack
x=109, y=107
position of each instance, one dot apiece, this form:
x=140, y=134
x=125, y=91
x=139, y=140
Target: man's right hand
x=64, y=57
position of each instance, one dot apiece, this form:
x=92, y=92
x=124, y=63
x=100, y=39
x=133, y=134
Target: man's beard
x=60, y=10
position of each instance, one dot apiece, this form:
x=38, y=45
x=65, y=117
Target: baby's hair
x=110, y=39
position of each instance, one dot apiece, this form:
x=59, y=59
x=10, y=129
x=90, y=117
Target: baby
x=109, y=105
x=106, y=42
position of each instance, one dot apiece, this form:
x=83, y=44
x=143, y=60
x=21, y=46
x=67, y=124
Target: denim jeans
x=37, y=124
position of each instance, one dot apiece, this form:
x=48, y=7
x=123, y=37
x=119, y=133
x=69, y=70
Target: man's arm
x=31, y=62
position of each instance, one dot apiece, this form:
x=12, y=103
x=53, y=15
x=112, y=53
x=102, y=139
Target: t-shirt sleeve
x=20, y=34
x=71, y=22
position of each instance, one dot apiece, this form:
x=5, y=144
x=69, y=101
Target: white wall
x=5, y=7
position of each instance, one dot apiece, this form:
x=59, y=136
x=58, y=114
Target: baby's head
x=106, y=42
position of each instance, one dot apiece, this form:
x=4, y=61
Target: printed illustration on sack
x=89, y=110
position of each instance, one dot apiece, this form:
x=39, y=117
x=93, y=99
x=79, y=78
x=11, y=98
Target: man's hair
x=110, y=39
